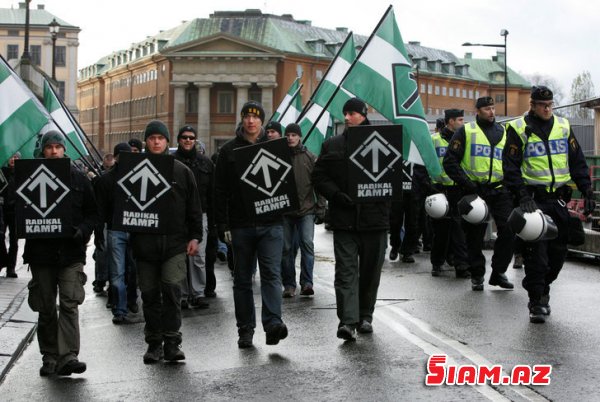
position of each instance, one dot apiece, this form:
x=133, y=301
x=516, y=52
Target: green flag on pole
x=22, y=116
x=382, y=77
x=322, y=130
x=291, y=114
x=287, y=99
x=62, y=120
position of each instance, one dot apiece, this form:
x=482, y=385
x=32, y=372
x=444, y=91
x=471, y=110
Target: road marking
x=389, y=315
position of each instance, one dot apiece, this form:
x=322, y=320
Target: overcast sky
x=557, y=38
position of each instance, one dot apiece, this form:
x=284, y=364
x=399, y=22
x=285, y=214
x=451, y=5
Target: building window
x=477, y=95
x=444, y=91
x=13, y=32
x=36, y=54
x=500, y=98
x=423, y=88
x=60, y=57
x=429, y=89
x=60, y=85
x=464, y=92
x=12, y=52
x=437, y=89
x=255, y=94
x=191, y=100
x=225, y=102
x=458, y=92
x=450, y=91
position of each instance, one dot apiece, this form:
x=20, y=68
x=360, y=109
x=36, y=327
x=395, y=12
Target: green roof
x=16, y=16
x=486, y=67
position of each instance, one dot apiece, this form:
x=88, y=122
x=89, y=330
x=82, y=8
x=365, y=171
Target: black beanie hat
x=186, y=128
x=293, y=128
x=157, y=127
x=274, y=125
x=253, y=107
x=355, y=105
x=484, y=101
x=453, y=114
x=440, y=123
x=134, y=142
x=52, y=137
x=541, y=93
x=121, y=147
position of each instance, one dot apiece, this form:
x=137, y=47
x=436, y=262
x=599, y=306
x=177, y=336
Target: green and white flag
x=293, y=111
x=382, y=77
x=290, y=99
x=22, y=116
x=333, y=79
x=322, y=130
x=62, y=120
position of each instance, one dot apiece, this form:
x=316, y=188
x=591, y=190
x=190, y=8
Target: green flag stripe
x=4, y=72
x=50, y=100
x=12, y=97
x=19, y=128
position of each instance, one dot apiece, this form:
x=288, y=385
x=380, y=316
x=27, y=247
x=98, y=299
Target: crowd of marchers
x=509, y=173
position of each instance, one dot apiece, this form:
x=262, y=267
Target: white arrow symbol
x=264, y=164
x=375, y=147
x=144, y=175
x=42, y=181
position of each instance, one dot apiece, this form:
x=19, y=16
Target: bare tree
x=550, y=82
x=582, y=88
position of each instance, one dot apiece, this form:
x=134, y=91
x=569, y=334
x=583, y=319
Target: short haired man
x=303, y=220
x=541, y=158
x=161, y=257
x=57, y=268
x=274, y=130
x=250, y=237
x=136, y=145
x=473, y=161
x=359, y=232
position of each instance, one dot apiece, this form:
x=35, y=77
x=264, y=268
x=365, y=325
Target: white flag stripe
x=337, y=71
x=283, y=104
x=62, y=120
x=13, y=97
x=313, y=112
x=323, y=123
x=381, y=55
x=414, y=155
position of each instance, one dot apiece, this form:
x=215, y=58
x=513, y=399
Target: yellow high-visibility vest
x=482, y=162
x=441, y=146
x=547, y=163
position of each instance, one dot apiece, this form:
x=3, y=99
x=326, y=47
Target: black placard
x=143, y=196
x=267, y=178
x=3, y=181
x=43, y=201
x=375, y=163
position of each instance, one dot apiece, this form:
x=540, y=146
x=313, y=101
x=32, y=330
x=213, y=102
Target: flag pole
x=294, y=96
x=288, y=91
x=95, y=169
x=337, y=89
x=305, y=108
x=78, y=128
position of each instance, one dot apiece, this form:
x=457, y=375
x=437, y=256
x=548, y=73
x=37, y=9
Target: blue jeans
x=119, y=257
x=305, y=227
x=266, y=243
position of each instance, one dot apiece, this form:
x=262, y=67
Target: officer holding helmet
x=473, y=161
x=541, y=157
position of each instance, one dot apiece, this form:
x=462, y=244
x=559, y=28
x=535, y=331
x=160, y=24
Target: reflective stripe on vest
x=540, y=167
x=481, y=162
x=441, y=145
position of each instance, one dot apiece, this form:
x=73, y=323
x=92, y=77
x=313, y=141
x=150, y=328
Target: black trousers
x=544, y=259
x=500, y=205
x=448, y=236
x=404, y=213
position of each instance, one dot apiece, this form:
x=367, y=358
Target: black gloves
x=527, y=204
x=343, y=199
x=589, y=203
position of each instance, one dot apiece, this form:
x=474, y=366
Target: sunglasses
x=187, y=137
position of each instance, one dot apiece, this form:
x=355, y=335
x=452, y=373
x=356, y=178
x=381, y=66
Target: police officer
x=57, y=269
x=474, y=161
x=448, y=235
x=540, y=157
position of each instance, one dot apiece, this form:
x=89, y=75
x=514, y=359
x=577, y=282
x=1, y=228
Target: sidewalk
x=17, y=321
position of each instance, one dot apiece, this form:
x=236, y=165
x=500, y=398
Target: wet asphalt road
x=416, y=316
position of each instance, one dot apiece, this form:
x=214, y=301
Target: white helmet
x=532, y=226
x=436, y=206
x=473, y=209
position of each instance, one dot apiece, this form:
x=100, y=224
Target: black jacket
x=230, y=210
x=185, y=225
x=104, y=187
x=204, y=172
x=10, y=192
x=67, y=251
x=513, y=156
x=330, y=176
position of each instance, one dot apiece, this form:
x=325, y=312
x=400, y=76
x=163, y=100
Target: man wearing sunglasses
x=541, y=157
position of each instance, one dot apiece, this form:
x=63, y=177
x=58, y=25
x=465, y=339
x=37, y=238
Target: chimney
x=342, y=29
x=22, y=6
x=415, y=43
x=40, y=7
x=500, y=57
x=468, y=55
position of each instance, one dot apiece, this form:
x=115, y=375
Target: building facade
x=12, y=40
x=202, y=72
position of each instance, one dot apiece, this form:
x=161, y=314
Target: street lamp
x=54, y=27
x=504, y=33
